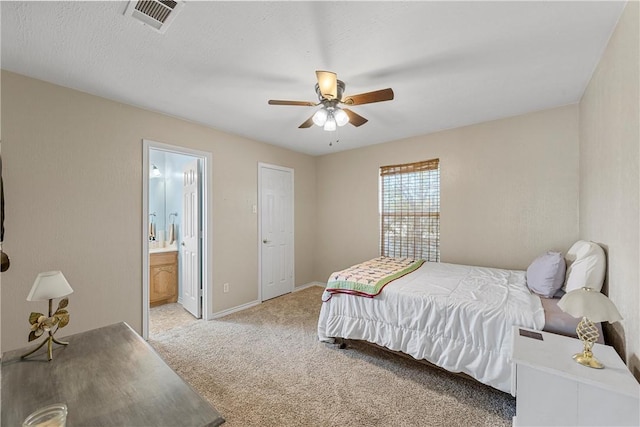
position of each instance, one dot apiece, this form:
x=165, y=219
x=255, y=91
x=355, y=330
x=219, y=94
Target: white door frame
x=207, y=227
x=293, y=252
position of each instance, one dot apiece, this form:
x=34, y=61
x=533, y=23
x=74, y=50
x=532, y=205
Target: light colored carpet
x=168, y=316
x=264, y=366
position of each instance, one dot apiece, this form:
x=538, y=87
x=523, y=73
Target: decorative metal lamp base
x=49, y=341
x=60, y=319
x=588, y=333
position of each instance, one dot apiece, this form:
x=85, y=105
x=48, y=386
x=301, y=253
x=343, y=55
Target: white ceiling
x=450, y=64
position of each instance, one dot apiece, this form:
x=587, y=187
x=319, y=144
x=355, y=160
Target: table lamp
x=592, y=306
x=47, y=286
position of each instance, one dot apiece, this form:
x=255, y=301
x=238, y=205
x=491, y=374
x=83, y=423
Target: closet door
x=276, y=229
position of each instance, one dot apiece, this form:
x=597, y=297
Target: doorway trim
x=207, y=226
x=262, y=165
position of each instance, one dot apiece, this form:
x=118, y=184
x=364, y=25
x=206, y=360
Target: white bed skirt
x=455, y=316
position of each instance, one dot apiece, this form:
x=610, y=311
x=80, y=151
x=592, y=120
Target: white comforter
x=455, y=316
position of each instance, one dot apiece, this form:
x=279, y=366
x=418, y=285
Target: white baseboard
x=234, y=309
x=308, y=285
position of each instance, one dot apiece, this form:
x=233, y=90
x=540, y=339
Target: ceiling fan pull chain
x=334, y=134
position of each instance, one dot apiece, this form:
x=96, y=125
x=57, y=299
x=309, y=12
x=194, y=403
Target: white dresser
x=551, y=389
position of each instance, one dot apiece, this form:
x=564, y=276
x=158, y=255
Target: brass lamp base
x=588, y=333
x=49, y=341
x=588, y=360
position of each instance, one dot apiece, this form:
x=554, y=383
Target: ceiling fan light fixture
x=320, y=117
x=330, y=93
x=341, y=117
x=330, y=124
x=328, y=84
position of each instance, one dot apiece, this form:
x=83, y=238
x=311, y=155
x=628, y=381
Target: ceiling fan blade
x=355, y=118
x=369, y=97
x=328, y=84
x=307, y=124
x=299, y=103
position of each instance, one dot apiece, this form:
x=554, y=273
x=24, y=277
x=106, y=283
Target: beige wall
x=73, y=187
x=609, y=179
x=509, y=192
x=511, y=189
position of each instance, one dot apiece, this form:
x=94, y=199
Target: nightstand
x=551, y=389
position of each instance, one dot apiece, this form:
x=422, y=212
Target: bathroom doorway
x=176, y=240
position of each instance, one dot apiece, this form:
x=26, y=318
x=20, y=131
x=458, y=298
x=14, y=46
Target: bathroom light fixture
x=155, y=171
x=47, y=286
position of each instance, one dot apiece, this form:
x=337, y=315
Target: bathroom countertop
x=165, y=249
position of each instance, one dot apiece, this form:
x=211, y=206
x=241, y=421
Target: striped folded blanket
x=367, y=279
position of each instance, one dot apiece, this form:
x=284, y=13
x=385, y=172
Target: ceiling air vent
x=157, y=14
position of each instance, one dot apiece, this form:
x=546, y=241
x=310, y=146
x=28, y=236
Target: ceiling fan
x=330, y=93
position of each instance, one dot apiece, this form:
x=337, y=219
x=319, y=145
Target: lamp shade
x=330, y=124
x=320, y=117
x=589, y=303
x=341, y=117
x=327, y=84
x=49, y=285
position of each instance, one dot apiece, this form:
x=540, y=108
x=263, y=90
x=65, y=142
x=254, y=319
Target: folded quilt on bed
x=367, y=279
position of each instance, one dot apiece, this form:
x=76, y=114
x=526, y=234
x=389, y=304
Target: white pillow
x=586, y=264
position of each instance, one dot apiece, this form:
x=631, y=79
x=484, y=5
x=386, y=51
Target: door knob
x=182, y=244
x=266, y=241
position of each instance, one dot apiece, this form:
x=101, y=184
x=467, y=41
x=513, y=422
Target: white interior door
x=276, y=227
x=190, y=245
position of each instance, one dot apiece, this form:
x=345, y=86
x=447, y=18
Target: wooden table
x=107, y=377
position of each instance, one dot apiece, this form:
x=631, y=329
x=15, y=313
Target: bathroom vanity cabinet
x=163, y=278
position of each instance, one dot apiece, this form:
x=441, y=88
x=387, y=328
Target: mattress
x=455, y=316
x=558, y=322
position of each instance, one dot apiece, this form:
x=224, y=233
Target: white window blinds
x=410, y=210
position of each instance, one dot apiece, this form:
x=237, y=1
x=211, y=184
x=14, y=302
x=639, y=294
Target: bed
x=457, y=317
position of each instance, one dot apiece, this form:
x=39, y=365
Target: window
x=410, y=210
